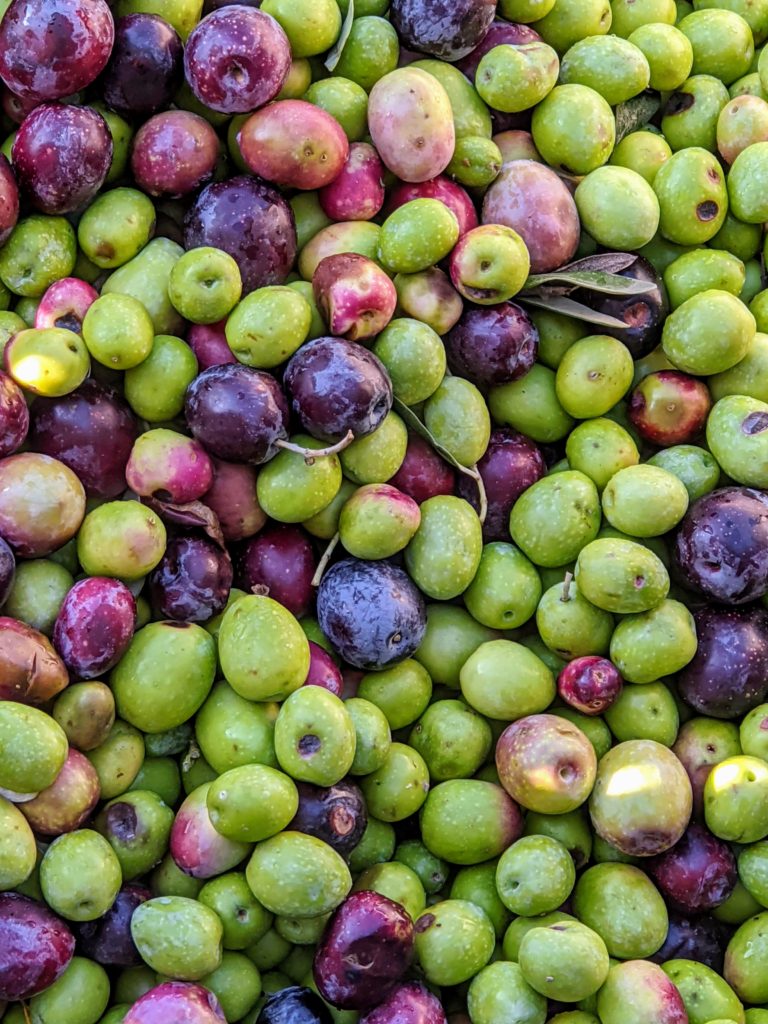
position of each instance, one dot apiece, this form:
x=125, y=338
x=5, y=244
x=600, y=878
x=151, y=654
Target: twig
x=323, y=563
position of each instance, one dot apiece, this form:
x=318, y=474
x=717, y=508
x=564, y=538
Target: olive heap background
x=383, y=515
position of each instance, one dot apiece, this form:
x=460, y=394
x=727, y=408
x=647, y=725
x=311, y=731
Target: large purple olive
x=372, y=612
x=237, y=413
x=144, y=70
x=728, y=675
x=94, y=626
x=448, y=29
x=335, y=386
x=366, y=950
x=252, y=222
x=35, y=947
x=107, y=940
x=721, y=547
x=410, y=1003
x=492, y=344
x=92, y=431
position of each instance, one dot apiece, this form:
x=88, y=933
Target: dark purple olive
x=144, y=69
x=336, y=814
x=410, y=1003
x=511, y=464
x=698, y=873
x=282, y=559
x=728, y=675
x=92, y=431
x=192, y=581
x=694, y=938
x=14, y=416
x=721, y=547
x=108, y=939
x=643, y=314
x=252, y=222
x=7, y=570
x=237, y=413
x=294, y=1005
x=372, y=612
x=448, y=29
x=492, y=344
x=365, y=951
x=335, y=386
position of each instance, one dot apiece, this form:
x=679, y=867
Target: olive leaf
x=610, y=262
x=595, y=280
x=557, y=302
x=418, y=427
x=635, y=113
x=334, y=54
x=190, y=514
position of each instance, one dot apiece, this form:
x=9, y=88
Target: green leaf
x=334, y=54
x=569, y=307
x=610, y=262
x=413, y=422
x=595, y=280
x=635, y=114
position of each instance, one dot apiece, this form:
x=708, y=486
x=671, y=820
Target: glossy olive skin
x=721, y=547
x=31, y=671
x=377, y=934
x=387, y=627
x=252, y=222
x=294, y=1005
x=37, y=947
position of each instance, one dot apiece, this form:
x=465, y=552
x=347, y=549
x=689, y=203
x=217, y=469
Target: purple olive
x=107, y=940
x=94, y=626
x=59, y=177
x=144, y=70
x=192, y=581
x=698, y=873
x=366, y=950
x=35, y=947
x=14, y=416
x=252, y=222
x=237, y=59
x=92, y=431
x=281, y=559
x=335, y=386
x=336, y=814
x=410, y=1003
x=721, y=547
x=237, y=413
x=492, y=344
x=728, y=675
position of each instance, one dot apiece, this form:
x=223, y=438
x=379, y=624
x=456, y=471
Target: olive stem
x=474, y=472
x=568, y=579
x=310, y=454
x=322, y=565
x=193, y=754
x=25, y=1011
